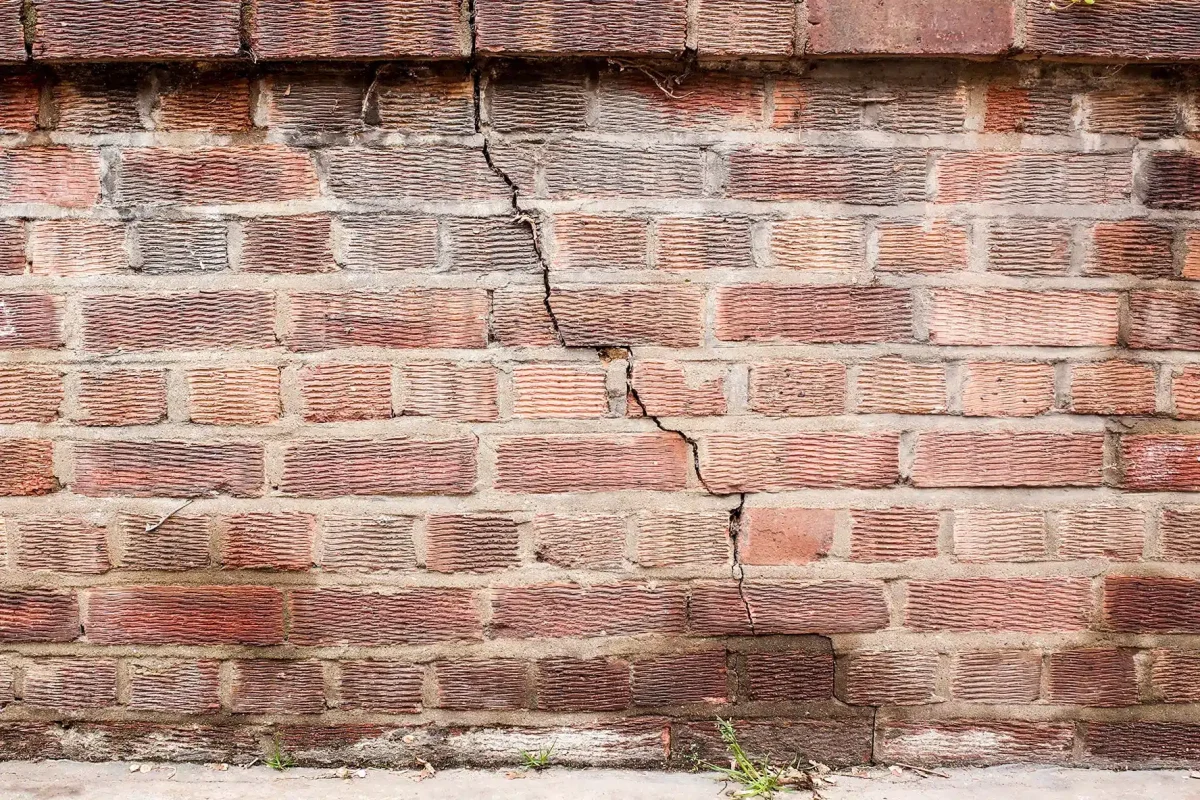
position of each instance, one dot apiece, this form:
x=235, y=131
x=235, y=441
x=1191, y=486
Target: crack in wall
x=531, y=219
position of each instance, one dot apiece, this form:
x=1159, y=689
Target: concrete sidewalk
x=62, y=779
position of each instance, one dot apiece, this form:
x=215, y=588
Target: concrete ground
x=63, y=779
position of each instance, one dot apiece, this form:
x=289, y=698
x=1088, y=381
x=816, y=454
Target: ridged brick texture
x=858, y=405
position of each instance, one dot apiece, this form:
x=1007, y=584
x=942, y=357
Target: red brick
x=89, y=104
x=60, y=544
x=163, y=247
x=745, y=27
x=929, y=27
x=392, y=688
x=595, y=463
x=324, y=617
x=595, y=541
x=29, y=393
x=1143, y=742
x=489, y=244
x=1151, y=604
x=732, y=462
x=191, y=615
x=287, y=245
x=1185, y=387
x=583, y=684
x=558, y=391
x=12, y=247
x=1007, y=389
x=1023, y=318
x=562, y=610
x=863, y=177
x=1164, y=320
x=677, y=679
x=70, y=683
x=1032, y=110
x=1113, y=387
x=1176, y=675
x=787, y=607
x=389, y=243
x=54, y=175
x=382, y=466
x=798, y=388
x=631, y=101
x=1179, y=534
x=1131, y=247
x=532, y=103
x=134, y=741
x=346, y=392
x=686, y=243
x=136, y=30
x=414, y=173
x=968, y=458
x=1113, y=533
x=162, y=468
x=356, y=29
x=38, y=615
x=817, y=104
x=985, y=534
x=1173, y=180
x=266, y=686
x=678, y=538
x=466, y=392
x=432, y=318
x=520, y=317
x=204, y=101
x=935, y=107
x=180, y=687
x=216, y=175
x=1126, y=29
x=997, y=676
x=792, y=675
x=1097, y=677
x=972, y=177
x=896, y=386
x=76, y=247
x=19, y=96
x=543, y=27
x=973, y=741
x=817, y=314
x=30, y=321
x=147, y=542
x=1161, y=462
x=785, y=535
x=28, y=467
x=936, y=245
x=486, y=685
x=677, y=389
x=1191, y=261
x=999, y=604
x=589, y=241
x=667, y=316
x=237, y=396
x=122, y=397
x=1029, y=247
x=305, y=103
x=893, y=534
x=368, y=543
x=266, y=540
x=197, y=321
x=421, y=101
x=470, y=543
x=818, y=244
x=890, y=678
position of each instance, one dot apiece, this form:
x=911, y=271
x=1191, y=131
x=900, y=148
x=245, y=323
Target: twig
x=163, y=521
x=922, y=770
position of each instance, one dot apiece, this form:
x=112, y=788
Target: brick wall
x=450, y=410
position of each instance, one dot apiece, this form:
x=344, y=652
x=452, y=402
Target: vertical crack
x=531, y=219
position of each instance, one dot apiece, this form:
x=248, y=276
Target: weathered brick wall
x=415, y=410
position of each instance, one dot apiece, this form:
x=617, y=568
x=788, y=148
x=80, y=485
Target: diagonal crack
x=531, y=219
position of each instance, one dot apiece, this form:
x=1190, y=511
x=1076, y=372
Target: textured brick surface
x=356, y=29
x=154, y=30
x=605, y=27
x=928, y=27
